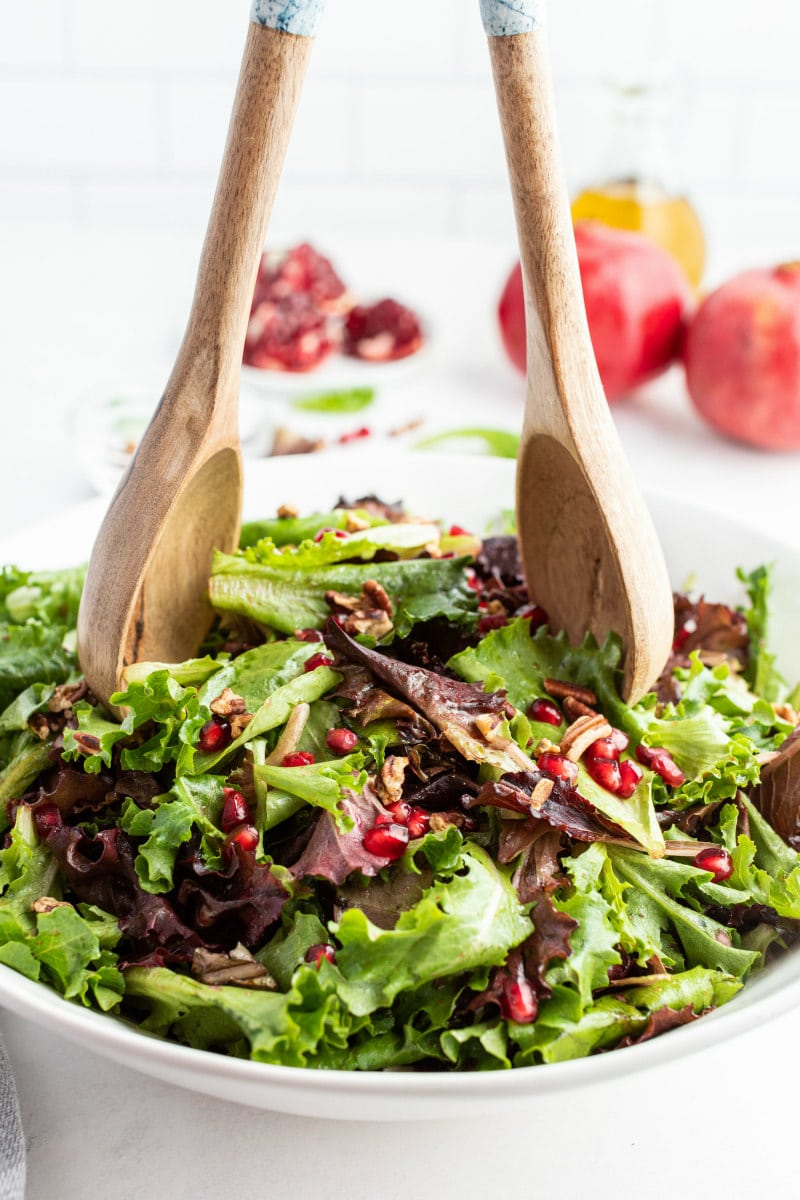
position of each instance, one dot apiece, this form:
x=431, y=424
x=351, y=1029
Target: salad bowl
x=700, y=546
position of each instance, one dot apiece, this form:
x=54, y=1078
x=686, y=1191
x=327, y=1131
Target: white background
x=115, y=114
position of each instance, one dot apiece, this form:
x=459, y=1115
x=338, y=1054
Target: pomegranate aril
x=317, y=660
x=339, y=533
x=308, y=635
x=604, y=771
x=546, y=711
x=386, y=841
x=518, y=1001
x=458, y=531
x=558, y=765
x=300, y=758
x=235, y=809
x=661, y=761
x=630, y=776
x=492, y=621
x=355, y=435
x=473, y=581
x=418, y=821
x=620, y=739
x=47, y=817
x=341, y=741
x=399, y=810
x=536, y=615
x=215, y=735
x=315, y=954
x=717, y=860
x=246, y=838
x=604, y=748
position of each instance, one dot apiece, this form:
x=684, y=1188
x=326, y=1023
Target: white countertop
x=97, y=313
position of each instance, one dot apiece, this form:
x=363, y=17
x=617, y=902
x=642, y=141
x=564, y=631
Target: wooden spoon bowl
x=146, y=589
x=589, y=549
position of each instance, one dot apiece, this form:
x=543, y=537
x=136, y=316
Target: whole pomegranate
x=637, y=302
x=742, y=358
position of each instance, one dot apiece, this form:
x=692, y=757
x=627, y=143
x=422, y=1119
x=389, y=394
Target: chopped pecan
x=489, y=725
x=46, y=904
x=561, y=688
x=389, y=784
x=238, y=968
x=541, y=793
x=375, y=622
x=787, y=713
x=440, y=821
x=286, y=511
x=86, y=743
x=342, y=602
x=371, y=612
x=576, y=708
x=355, y=524
x=228, y=704
x=238, y=723
x=39, y=725
x=65, y=695
x=375, y=596
x=581, y=733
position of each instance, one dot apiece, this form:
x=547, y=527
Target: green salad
x=386, y=818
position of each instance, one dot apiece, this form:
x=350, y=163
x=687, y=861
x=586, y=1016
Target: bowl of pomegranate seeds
x=308, y=328
x=389, y=846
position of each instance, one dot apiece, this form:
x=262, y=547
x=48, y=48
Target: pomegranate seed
x=546, y=711
x=630, y=776
x=47, y=816
x=235, y=809
x=246, y=838
x=308, y=635
x=339, y=533
x=558, y=765
x=604, y=771
x=662, y=762
x=604, y=748
x=386, y=841
x=473, y=581
x=716, y=860
x=215, y=735
x=354, y=436
x=533, y=613
x=341, y=741
x=419, y=822
x=458, y=531
x=620, y=739
x=492, y=621
x=518, y=1002
x=400, y=811
x=317, y=660
x=300, y=758
x=315, y=954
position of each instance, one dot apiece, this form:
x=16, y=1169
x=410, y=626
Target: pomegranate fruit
x=290, y=335
x=382, y=332
x=301, y=271
x=742, y=358
x=235, y=809
x=717, y=860
x=558, y=765
x=386, y=841
x=637, y=302
x=215, y=735
x=299, y=758
x=341, y=741
x=546, y=711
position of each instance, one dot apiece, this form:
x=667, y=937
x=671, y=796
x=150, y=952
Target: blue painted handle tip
x=300, y=17
x=505, y=18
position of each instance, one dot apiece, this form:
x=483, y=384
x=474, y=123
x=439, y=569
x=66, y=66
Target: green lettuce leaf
x=190, y=804
x=761, y=672
x=287, y=598
x=319, y=784
x=473, y=920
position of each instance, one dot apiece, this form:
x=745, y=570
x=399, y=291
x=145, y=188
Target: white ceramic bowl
x=471, y=492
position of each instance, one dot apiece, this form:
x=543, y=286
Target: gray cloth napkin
x=12, y=1141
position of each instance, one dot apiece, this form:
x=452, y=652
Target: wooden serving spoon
x=145, y=592
x=589, y=549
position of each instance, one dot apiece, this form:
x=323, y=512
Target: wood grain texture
x=589, y=548
x=145, y=590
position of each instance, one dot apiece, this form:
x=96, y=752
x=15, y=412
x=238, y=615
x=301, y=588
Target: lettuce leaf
x=318, y=784
x=761, y=672
x=473, y=920
x=191, y=804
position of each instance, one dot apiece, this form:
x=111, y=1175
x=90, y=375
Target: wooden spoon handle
x=273, y=66
x=560, y=355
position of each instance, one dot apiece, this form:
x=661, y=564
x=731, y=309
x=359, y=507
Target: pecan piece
x=228, y=704
x=561, y=688
x=576, y=708
x=286, y=511
x=581, y=733
x=46, y=904
x=389, y=784
x=238, y=968
x=238, y=723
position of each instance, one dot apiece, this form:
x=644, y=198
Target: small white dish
x=695, y=541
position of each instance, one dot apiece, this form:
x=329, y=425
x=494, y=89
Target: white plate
x=695, y=542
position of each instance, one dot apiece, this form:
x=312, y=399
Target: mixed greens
x=386, y=818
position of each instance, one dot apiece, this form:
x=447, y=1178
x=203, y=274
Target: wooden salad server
x=146, y=587
x=589, y=549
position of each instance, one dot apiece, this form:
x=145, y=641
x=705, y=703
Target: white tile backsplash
x=117, y=114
